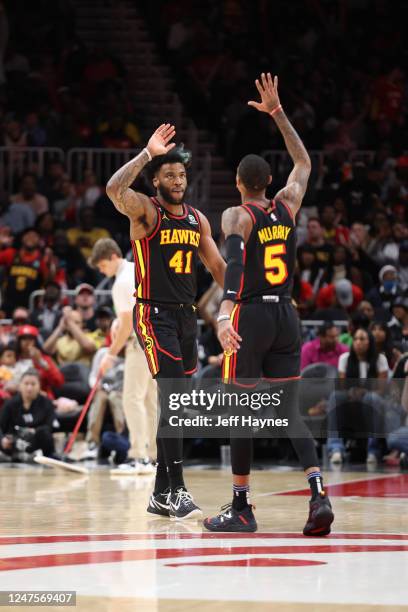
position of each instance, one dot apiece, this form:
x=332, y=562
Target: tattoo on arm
x=236, y=221
x=298, y=178
x=118, y=185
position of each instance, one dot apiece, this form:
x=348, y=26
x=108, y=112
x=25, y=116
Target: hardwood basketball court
x=91, y=534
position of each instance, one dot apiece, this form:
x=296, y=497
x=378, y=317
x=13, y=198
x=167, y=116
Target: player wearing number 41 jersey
x=258, y=326
x=168, y=237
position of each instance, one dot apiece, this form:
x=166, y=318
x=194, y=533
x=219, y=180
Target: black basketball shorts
x=270, y=346
x=171, y=332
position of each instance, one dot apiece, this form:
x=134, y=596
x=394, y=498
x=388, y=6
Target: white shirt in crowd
x=382, y=365
x=123, y=288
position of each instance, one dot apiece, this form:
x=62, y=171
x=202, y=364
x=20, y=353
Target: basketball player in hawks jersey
x=168, y=236
x=258, y=326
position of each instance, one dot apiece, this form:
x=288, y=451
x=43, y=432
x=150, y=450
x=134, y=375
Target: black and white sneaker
x=182, y=506
x=230, y=519
x=160, y=503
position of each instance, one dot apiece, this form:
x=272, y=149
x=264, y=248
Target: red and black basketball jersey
x=270, y=252
x=166, y=261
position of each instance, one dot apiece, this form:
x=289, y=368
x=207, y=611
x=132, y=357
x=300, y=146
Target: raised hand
x=159, y=143
x=268, y=90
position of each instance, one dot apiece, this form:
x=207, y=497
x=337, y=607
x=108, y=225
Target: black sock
x=175, y=473
x=240, y=497
x=162, y=478
x=316, y=483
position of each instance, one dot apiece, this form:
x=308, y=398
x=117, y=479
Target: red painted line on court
x=254, y=562
x=46, y=539
x=119, y=556
x=395, y=485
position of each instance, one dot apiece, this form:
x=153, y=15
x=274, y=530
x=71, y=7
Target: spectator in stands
x=326, y=348
x=8, y=360
x=66, y=204
x=366, y=308
x=85, y=236
x=14, y=217
x=333, y=232
x=383, y=248
x=103, y=321
x=310, y=270
x=70, y=342
x=362, y=362
x=119, y=133
x=89, y=190
x=399, y=322
x=385, y=295
x=355, y=321
x=47, y=316
x=341, y=265
x=28, y=268
x=403, y=265
x=357, y=193
x=70, y=261
x=29, y=355
x=383, y=341
x=85, y=303
x=315, y=239
x=29, y=196
x=51, y=181
x=27, y=421
x=45, y=226
x=335, y=301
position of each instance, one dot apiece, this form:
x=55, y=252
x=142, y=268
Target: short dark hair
x=254, y=172
x=178, y=155
x=324, y=328
x=104, y=248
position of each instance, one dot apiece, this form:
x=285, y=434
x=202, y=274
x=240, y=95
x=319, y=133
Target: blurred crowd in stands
x=352, y=263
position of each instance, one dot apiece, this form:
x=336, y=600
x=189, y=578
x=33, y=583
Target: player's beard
x=170, y=198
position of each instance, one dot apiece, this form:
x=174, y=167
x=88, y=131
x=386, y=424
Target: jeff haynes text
x=231, y=421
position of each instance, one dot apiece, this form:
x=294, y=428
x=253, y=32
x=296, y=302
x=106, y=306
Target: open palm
x=268, y=90
x=159, y=143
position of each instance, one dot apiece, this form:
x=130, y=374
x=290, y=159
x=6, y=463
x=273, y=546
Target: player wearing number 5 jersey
x=258, y=326
x=167, y=237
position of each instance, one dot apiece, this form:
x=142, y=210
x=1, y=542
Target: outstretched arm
x=209, y=253
x=236, y=225
x=127, y=201
x=292, y=194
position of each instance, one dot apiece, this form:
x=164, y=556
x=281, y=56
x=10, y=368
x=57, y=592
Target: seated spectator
x=335, y=301
x=29, y=196
x=383, y=248
x=366, y=308
x=403, y=265
x=357, y=192
x=8, y=333
x=30, y=356
x=8, y=360
x=119, y=133
x=341, y=265
x=383, y=341
x=324, y=349
x=70, y=262
x=315, y=239
x=302, y=295
x=45, y=226
x=310, y=270
x=27, y=420
x=85, y=236
x=14, y=216
x=399, y=323
x=333, y=232
x=384, y=295
x=360, y=363
x=103, y=321
x=356, y=320
x=28, y=268
x=70, y=341
x=46, y=317
x=89, y=190
x=85, y=303
x=397, y=440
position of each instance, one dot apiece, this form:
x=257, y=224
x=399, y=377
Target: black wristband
x=235, y=249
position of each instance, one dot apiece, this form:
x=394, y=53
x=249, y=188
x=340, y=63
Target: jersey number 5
x=276, y=271
x=181, y=262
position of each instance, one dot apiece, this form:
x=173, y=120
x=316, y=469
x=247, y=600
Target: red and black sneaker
x=320, y=516
x=230, y=519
